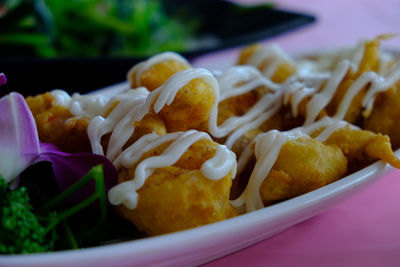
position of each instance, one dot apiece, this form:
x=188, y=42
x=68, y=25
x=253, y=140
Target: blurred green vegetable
x=59, y=28
x=20, y=229
x=57, y=225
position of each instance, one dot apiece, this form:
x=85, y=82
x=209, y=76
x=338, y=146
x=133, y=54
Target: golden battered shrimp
x=55, y=124
x=369, y=62
x=151, y=123
x=385, y=116
x=238, y=105
x=362, y=147
x=283, y=68
x=179, y=197
x=156, y=70
x=190, y=108
x=274, y=123
x=303, y=165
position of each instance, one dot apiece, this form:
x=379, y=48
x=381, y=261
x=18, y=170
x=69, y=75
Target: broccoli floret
x=20, y=229
x=23, y=231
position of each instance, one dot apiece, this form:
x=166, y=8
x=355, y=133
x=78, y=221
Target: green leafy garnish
x=20, y=229
x=58, y=28
x=23, y=231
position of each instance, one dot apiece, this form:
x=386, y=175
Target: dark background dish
x=229, y=25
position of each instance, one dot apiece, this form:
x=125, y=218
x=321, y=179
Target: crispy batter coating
x=385, y=116
x=54, y=126
x=369, y=62
x=175, y=199
x=40, y=103
x=246, y=53
x=303, y=165
x=191, y=107
x=179, y=197
x=238, y=105
x=157, y=74
x=283, y=71
x=362, y=147
x=151, y=123
x=274, y=123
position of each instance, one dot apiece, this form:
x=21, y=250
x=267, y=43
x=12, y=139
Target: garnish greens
x=20, y=229
x=24, y=229
x=59, y=28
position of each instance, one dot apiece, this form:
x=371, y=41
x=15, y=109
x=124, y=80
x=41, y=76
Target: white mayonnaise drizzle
x=253, y=124
x=267, y=147
x=81, y=105
x=329, y=59
x=295, y=92
x=239, y=80
x=220, y=165
x=236, y=81
x=145, y=65
x=129, y=103
x=121, y=122
x=272, y=54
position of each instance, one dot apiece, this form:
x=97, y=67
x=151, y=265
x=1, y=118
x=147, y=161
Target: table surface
x=364, y=230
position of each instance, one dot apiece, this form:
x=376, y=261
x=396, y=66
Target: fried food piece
x=190, y=108
x=385, y=116
x=184, y=197
x=40, y=103
x=283, y=70
x=274, y=123
x=303, y=165
x=151, y=123
x=56, y=125
x=362, y=147
x=238, y=105
x=369, y=62
x=247, y=52
x=157, y=74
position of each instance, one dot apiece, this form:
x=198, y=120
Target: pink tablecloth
x=364, y=230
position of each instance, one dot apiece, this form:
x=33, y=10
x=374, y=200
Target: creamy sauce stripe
x=138, y=69
x=273, y=54
x=266, y=148
x=220, y=165
x=81, y=105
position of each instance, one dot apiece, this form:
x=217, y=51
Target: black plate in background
x=231, y=25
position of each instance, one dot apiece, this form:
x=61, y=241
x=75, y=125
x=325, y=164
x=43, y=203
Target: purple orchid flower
x=3, y=79
x=20, y=148
x=19, y=142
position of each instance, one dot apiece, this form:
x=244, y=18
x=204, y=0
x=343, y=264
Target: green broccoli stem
x=96, y=174
x=69, y=235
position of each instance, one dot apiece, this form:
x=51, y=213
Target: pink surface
x=364, y=230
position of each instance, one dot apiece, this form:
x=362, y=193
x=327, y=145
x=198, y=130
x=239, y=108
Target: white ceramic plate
x=206, y=243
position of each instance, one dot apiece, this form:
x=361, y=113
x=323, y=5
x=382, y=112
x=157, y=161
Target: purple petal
x=19, y=142
x=20, y=148
x=69, y=168
x=3, y=79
